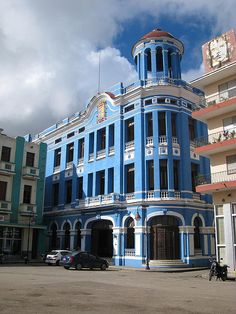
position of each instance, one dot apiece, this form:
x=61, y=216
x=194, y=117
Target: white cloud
x=49, y=52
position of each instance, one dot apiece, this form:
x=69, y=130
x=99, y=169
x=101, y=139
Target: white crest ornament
x=101, y=107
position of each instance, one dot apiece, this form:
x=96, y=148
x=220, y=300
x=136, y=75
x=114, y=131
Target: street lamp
x=138, y=217
x=31, y=219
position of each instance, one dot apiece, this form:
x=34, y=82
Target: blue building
x=120, y=176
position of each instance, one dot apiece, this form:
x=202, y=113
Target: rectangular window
x=111, y=180
x=6, y=154
x=163, y=175
x=101, y=139
x=219, y=210
x=173, y=124
x=149, y=124
x=55, y=194
x=90, y=185
x=111, y=135
x=3, y=190
x=129, y=108
x=81, y=148
x=227, y=90
x=91, y=143
x=80, y=188
x=129, y=130
x=234, y=223
x=231, y=164
x=57, y=157
x=191, y=128
x=70, y=134
x=130, y=176
x=68, y=191
x=176, y=174
x=29, y=159
x=81, y=130
x=162, y=123
x=150, y=171
x=194, y=174
x=229, y=124
x=100, y=177
x=69, y=152
x=58, y=140
x=220, y=230
x=27, y=194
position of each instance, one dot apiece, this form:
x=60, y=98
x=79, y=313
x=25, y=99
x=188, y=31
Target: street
x=44, y=289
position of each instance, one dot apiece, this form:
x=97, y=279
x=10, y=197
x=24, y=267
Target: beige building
x=219, y=112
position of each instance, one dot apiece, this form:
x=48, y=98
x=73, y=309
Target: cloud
x=49, y=52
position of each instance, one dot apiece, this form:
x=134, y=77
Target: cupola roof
x=157, y=33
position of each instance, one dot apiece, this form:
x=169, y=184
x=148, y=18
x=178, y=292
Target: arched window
x=78, y=236
x=148, y=60
x=159, y=59
x=130, y=233
x=197, y=241
x=170, y=66
x=66, y=229
x=54, y=236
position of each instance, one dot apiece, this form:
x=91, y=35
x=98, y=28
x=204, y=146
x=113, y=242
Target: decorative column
x=206, y=233
x=85, y=239
x=154, y=65
x=170, y=154
x=72, y=239
x=60, y=236
x=165, y=63
x=187, y=241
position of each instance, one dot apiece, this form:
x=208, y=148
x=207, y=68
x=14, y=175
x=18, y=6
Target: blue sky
x=49, y=50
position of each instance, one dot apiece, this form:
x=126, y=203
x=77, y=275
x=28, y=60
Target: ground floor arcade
x=132, y=236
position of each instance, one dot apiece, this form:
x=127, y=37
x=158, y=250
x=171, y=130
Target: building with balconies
x=219, y=112
x=22, y=171
x=120, y=174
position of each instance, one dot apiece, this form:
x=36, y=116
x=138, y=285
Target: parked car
x=54, y=257
x=79, y=260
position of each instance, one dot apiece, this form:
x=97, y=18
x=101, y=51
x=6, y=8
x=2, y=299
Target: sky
x=49, y=50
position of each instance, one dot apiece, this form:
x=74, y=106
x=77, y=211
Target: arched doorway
x=66, y=229
x=164, y=238
x=197, y=238
x=102, y=239
x=130, y=244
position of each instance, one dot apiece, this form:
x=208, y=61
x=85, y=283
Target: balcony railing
x=149, y=141
x=129, y=145
x=80, y=161
x=69, y=165
x=129, y=196
x=216, y=137
x=217, y=98
x=99, y=200
x=7, y=167
x=91, y=157
x=162, y=139
x=31, y=172
x=111, y=150
x=218, y=177
x=101, y=154
x=129, y=252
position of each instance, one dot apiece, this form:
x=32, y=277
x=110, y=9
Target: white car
x=54, y=257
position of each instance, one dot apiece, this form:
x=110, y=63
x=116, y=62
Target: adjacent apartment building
x=22, y=172
x=219, y=112
x=120, y=175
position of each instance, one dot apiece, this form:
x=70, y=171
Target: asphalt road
x=43, y=289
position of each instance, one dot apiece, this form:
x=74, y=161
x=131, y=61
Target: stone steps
x=167, y=263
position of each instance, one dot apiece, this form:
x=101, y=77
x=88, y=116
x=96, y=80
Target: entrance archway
x=164, y=238
x=101, y=238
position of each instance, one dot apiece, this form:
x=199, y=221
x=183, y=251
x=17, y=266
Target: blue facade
x=120, y=175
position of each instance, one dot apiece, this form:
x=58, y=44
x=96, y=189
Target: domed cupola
x=157, y=55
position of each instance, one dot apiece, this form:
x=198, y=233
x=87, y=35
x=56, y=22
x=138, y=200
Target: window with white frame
x=231, y=164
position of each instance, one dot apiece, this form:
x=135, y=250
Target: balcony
x=56, y=169
x=100, y=200
x=69, y=165
x=31, y=173
x=80, y=162
x=162, y=140
x=216, y=105
x=91, y=157
x=129, y=252
x=7, y=168
x=5, y=207
x=111, y=151
x=216, y=142
x=219, y=181
x=149, y=141
x=27, y=209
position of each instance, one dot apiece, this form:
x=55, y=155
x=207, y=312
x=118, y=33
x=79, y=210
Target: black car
x=79, y=260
